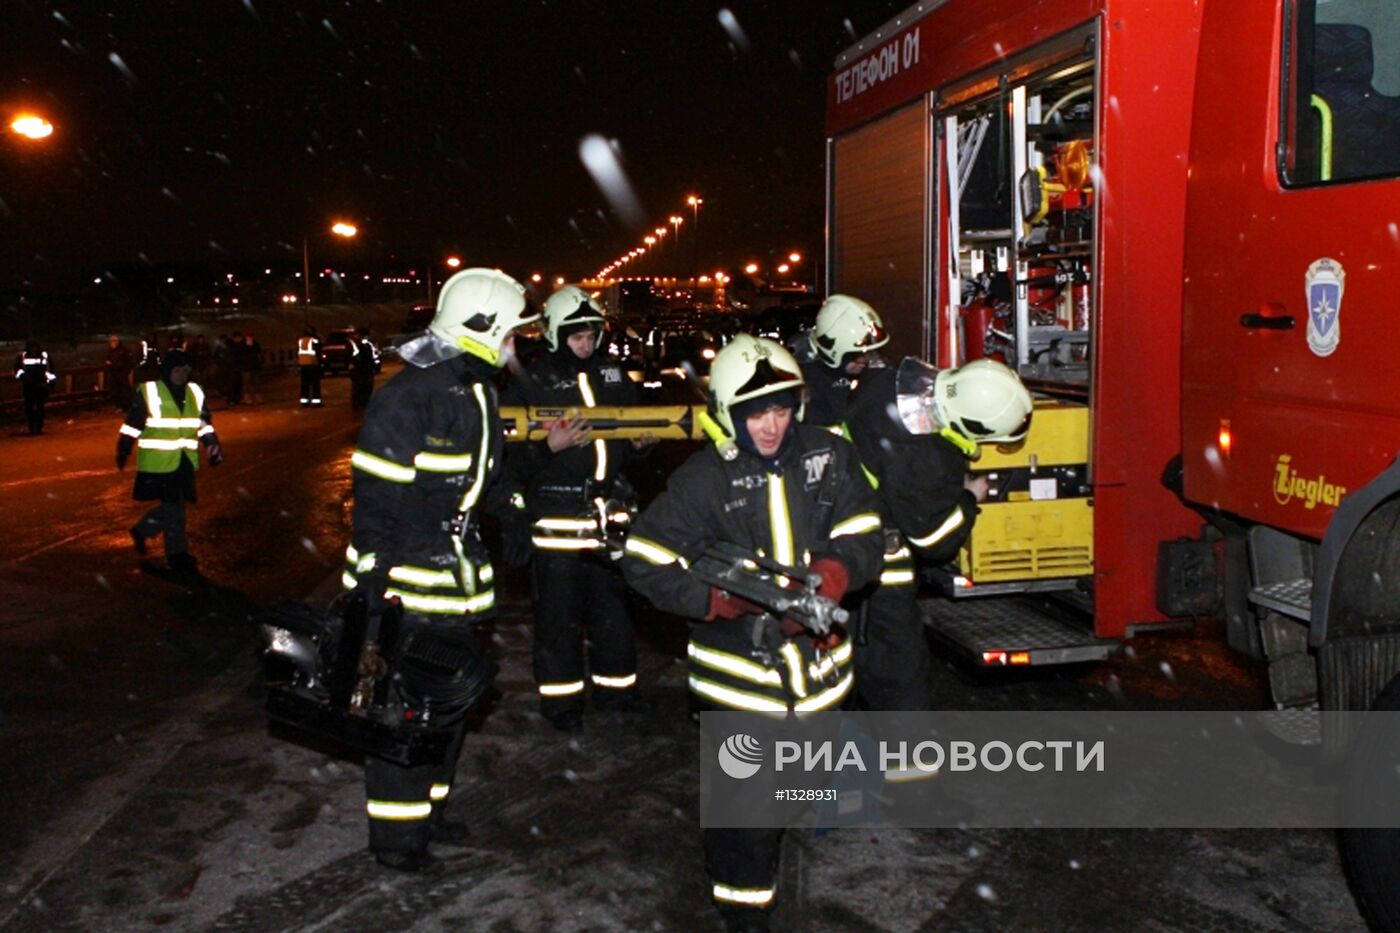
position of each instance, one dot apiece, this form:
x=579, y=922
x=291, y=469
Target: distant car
x=338, y=352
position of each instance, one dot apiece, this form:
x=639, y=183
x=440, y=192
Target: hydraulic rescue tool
x=786, y=592
x=359, y=679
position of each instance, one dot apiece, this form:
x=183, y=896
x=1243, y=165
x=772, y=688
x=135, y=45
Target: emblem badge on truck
x=1325, y=281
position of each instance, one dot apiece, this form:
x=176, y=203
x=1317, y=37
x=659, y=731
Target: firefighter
x=117, y=369
x=429, y=449
x=790, y=491
x=834, y=352
x=364, y=363
x=35, y=376
x=309, y=364
x=168, y=420
x=916, y=428
x=573, y=484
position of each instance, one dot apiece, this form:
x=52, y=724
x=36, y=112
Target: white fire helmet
x=477, y=310
x=568, y=306
x=846, y=325
x=983, y=401
x=745, y=369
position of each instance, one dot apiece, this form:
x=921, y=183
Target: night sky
x=192, y=130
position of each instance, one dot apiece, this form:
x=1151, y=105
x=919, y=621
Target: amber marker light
x=32, y=127
x=1225, y=439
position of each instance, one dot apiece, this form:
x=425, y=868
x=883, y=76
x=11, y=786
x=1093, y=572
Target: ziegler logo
x=1289, y=485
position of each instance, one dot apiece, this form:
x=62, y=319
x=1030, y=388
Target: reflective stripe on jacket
x=171, y=431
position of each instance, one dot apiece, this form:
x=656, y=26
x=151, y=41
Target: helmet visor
x=913, y=394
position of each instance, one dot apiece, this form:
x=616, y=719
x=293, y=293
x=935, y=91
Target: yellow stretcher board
x=663, y=422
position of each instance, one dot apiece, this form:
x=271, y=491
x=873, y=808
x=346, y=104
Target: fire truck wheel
x=1372, y=856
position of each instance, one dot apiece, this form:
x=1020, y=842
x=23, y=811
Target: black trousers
x=743, y=869
x=361, y=388
x=34, y=398
x=310, y=385
x=403, y=803
x=575, y=596
x=167, y=518
x=891, y=652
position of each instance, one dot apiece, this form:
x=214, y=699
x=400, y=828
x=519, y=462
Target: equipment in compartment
x=1035, y=530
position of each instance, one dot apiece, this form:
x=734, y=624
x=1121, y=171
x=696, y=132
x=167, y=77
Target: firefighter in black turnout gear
x=35, y=375
x=834, y=352
x=792, y=493
x=427, y=454
x=309, y=365
x=168, y=421
x=574, y=489
x=915, y=428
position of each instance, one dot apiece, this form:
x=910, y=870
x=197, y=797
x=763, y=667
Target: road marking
x=76, y=474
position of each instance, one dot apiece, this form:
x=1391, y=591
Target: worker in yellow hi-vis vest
x=168, y=421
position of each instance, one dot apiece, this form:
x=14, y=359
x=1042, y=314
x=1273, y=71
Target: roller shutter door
x=879, y=250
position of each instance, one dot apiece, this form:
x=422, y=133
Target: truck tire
x=1372, y=856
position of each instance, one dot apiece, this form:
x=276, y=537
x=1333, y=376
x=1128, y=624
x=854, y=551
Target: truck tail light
x=1225, y=438
x=994, y=657
x=1020, y=657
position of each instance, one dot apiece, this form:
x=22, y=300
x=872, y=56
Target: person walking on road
x=772, y=487
x=35, y=376
x=364, y=363
x=309, y=364
x=168, y=421
x=428, y=453
x=117, y=373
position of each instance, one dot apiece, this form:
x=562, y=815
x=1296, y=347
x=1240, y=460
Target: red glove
x=725, y=606
x=835, y=579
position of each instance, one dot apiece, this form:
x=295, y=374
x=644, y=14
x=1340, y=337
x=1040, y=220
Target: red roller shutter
x=879, y=246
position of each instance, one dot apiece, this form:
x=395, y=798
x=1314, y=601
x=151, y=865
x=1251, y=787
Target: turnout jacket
x=769, y=507
x=560, y=487
x=33, y=370
x=430, y=446
x=918, y=478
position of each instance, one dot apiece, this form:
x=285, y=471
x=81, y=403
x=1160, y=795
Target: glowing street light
x=558, y=280
x=783, y=269
x=751, y=268
x=695, y=203
x=676, y=221
x=341, y=228
x=794, y=258
x=31, y=126
x=453, y=262
x=649, y=240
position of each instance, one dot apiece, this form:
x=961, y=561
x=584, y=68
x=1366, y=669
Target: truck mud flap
x=1014, y=632
x=404, y=745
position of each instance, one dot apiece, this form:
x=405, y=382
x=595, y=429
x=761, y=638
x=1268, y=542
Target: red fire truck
x=1176, y=220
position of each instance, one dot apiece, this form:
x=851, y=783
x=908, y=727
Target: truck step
x=1292, y=598
x=1014, y=632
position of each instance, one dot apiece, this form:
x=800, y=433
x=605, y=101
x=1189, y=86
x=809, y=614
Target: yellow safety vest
x=171, y=430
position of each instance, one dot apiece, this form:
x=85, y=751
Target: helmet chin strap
x=970, y=449
x=479, y=350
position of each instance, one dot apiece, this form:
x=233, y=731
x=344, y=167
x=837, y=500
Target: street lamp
x=794, y=258
x=31, y=126
x=341, y=229
x=453, y=262
x=695, y=203
x=676, y=221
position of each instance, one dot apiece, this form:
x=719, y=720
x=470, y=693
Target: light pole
x=695, y=203
x=341, y=229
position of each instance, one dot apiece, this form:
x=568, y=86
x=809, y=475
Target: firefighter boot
x=138, y=540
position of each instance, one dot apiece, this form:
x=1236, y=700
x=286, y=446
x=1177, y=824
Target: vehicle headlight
x=708, y=353
x=297, y=649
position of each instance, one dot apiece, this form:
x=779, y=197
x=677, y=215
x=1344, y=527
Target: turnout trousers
x=310, y=385
x=403, y=803
x=892, y=659
x=578, y=597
